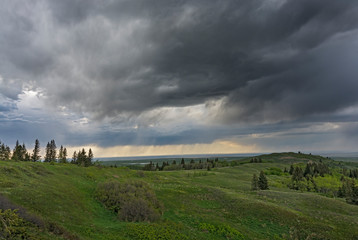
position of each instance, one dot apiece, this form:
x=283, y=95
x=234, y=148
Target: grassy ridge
x=199, y=204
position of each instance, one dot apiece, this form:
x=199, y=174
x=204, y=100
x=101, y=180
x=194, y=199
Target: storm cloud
x=244, y=61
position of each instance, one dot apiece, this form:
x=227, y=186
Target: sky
x=161, y=77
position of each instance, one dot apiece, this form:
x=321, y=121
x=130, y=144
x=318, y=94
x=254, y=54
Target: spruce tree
x=36, y=152
x=254, y=183
x=291, y=169
x=263, y=183
x=20, y=153
x=89, y=158
x=297, y=174
x=53, y=154
x=64, y=155
x=74, y=158
x=5, y=152
x=48, y=153
x=60, y=154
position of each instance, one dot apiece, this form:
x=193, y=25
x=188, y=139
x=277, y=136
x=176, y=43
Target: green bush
x=12, y=226
x=222, y=230
x=152, y=231
x=274, y=171
x=133, y=201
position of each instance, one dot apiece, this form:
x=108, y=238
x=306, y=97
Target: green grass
x=198, y=204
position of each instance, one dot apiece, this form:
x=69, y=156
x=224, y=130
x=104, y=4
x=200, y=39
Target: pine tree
x=89, y=158
x=64, y=155
x=308, y=170
x=254, y=183
x=36, y=152
x=74, y=158
x=20, y=153
x=263, y=183
x=48, y=153
x=291, y=169
x=297, y=174
x=53, y=151
x=5, y=152
x=60, y=154
x=16, y=152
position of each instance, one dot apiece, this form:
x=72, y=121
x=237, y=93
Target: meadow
x=198, y=204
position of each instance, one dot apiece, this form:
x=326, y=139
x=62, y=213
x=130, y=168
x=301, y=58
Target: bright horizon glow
x=217, y=147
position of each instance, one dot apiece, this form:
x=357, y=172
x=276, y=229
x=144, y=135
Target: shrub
x=132, y=201
x=221, y=230
x=153, y=231
x=274, y=171
x=12, y=226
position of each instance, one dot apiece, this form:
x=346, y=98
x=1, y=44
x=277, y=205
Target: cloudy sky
x=150, y=77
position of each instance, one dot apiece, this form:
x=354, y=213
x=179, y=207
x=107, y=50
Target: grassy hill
x=198, y=204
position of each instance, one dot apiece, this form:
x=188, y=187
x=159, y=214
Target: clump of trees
x=132, y=201
x=20, y=153
x=304, y=179
x=51, y=152
x=5, y=152
x=348, y=190
x=259, y=183
x=255, y=160
x=82, y=158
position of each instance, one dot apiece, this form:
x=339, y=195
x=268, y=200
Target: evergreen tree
x=89, y=158
x=291, y=170
x=254, y=183
x=5, y=152
x=309, y=170
x=81, y=158
x=263, y=183
x=74, y=158
x=297, y=174
x=53, y=151
x=36, y=152
x=62, y=155
x=48, y=153
x=20, y=153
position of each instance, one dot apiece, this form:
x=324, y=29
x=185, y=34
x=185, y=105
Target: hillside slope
x=199, y=204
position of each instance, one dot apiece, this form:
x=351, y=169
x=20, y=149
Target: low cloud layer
x=125, y=63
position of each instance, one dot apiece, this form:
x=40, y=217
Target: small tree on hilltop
x=254, y=183
x=263, y=183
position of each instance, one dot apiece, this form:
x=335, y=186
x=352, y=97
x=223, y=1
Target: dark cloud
x=281, y=63
x=271, y=59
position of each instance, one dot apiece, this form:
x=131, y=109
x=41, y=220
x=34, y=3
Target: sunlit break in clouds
x=167, y=77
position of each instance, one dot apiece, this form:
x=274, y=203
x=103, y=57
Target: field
x=198, y=204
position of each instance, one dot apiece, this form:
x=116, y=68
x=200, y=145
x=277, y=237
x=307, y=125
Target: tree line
x=184, y=165
x=20, y=153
